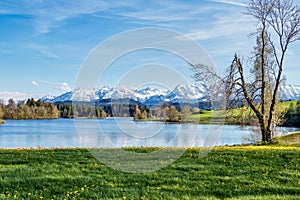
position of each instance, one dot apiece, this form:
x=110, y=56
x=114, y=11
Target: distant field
x=250, y=172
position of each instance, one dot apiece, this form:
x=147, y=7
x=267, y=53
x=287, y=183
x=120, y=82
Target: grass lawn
x=207, y=116
x=234, y=116
x=250, y=172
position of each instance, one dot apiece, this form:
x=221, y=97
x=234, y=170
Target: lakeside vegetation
x=241, y=172
x=80, y=110
x=36, y=109
x=289, y=139
x=289, y=115
x=30, y=109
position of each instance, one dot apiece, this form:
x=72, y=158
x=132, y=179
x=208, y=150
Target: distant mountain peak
x=197, y=92
x=289, y=92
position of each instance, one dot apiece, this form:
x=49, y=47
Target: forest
x=36, y=109
x=30, y=109
x=80, y=110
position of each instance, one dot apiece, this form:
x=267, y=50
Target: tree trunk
x=268, y=135
x=263, y=129
x=269, y=132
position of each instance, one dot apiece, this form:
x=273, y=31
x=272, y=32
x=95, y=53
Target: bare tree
x=278, y=26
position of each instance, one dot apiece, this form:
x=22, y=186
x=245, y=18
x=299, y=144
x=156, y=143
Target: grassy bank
x=234, y=116
x=288, y=139
x=2, y=121
x=238, y=116
x=261, y=172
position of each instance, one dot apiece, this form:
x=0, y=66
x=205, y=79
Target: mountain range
x=153, y=96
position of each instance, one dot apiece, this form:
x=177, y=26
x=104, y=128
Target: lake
x=118, y=132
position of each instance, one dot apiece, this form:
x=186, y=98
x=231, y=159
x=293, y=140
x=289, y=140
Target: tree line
x=292, y=116
x=37, y=109
x=80, y=110
x=30, y=109
x=168, y=113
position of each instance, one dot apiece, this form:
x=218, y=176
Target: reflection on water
x=116, y=132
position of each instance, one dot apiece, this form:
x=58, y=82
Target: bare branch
x=278, y=27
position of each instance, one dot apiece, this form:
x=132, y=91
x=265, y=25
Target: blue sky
x=44, y=42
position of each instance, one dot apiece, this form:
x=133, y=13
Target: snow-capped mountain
x=146, y=93
x=125, y=93
x=152, y=96
x=187, y=93
x=289, y=92
x=119, y=93
x=48, y=98
x=86, y=95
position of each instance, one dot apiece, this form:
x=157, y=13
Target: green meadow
x=236, y=116
x=241, y=172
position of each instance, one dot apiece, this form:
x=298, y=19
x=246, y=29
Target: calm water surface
x=117, y=132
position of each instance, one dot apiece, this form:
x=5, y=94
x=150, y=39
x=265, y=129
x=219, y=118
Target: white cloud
x=231, y=2
x=49, y=14
x=201, y=21
x=161, y=13
x=34, y=83
x=64, y=87
x=229, y=25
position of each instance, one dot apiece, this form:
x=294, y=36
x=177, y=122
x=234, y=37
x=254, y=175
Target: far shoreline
x=148, y=120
